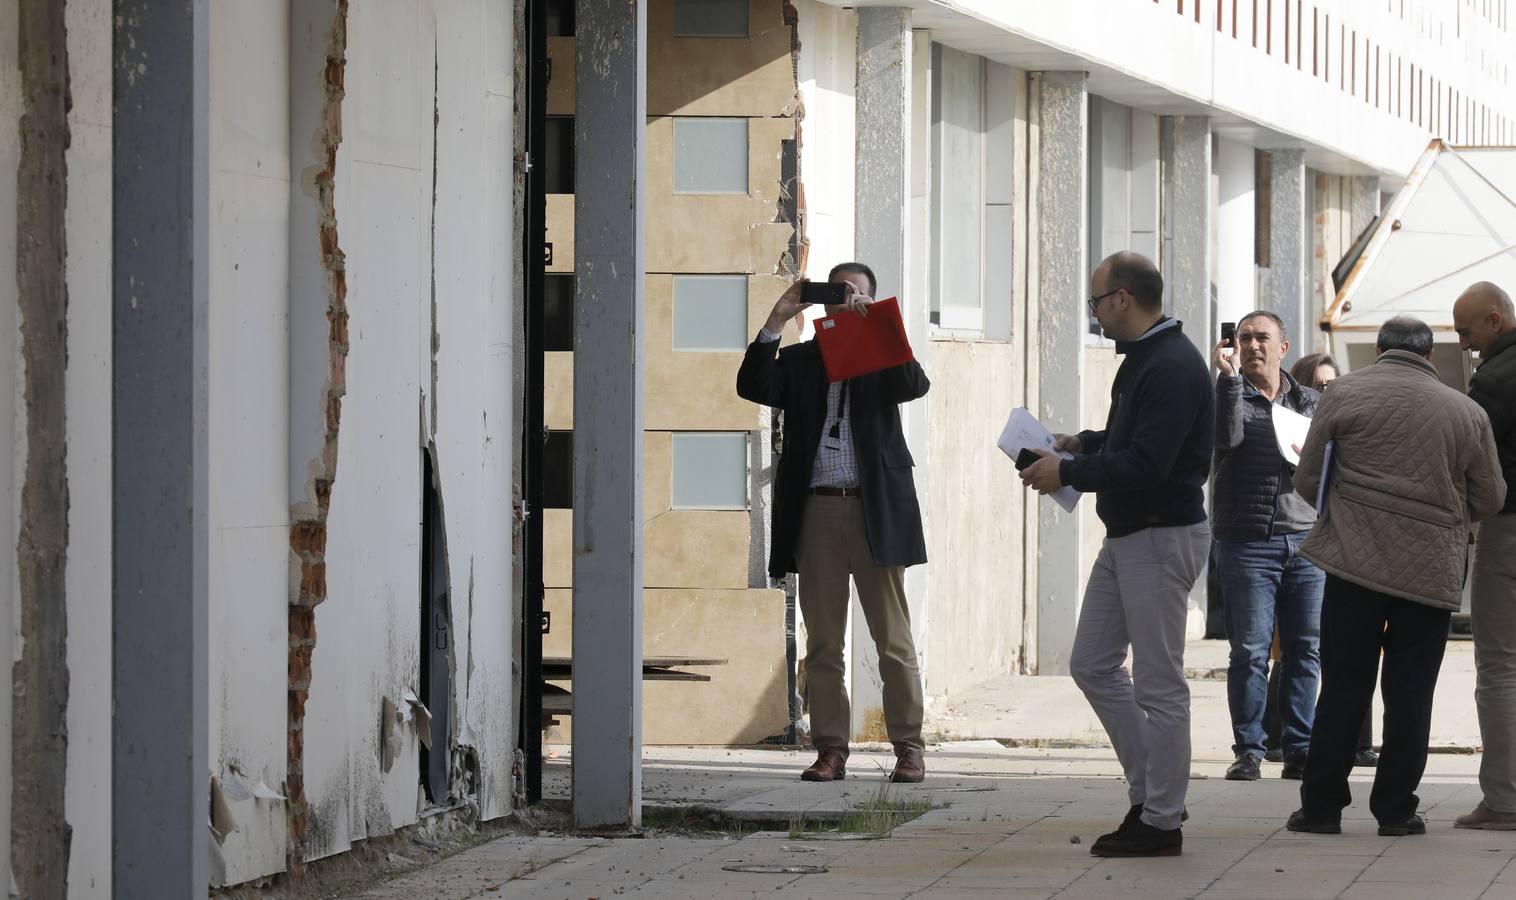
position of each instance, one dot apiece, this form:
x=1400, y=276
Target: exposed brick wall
x=308, y=535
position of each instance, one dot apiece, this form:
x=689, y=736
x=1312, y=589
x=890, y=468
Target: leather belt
x=837, y=492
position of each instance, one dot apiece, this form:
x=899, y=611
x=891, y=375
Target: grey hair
x=1406, y=333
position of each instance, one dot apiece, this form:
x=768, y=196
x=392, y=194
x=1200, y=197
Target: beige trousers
x=1493, y=617
x=834, y=544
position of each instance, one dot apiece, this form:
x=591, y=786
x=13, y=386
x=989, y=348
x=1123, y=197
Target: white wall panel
x=826, y=75
x=249, y=425
x=472, y=393
x=367, y=647
x=87, y=788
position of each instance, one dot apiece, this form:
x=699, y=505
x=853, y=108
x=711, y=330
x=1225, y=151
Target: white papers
x=1290, y=429
x=1023, y=431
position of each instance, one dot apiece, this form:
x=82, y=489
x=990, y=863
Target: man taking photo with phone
x=844, y=506
x=1259, y=523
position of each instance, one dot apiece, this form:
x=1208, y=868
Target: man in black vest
x=1259, y=522
x=844, y=505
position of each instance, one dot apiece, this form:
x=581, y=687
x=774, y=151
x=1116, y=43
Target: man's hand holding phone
x=789, y=305
x=1224, y=357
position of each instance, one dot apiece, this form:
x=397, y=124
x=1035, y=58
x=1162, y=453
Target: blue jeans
x=1269, y=585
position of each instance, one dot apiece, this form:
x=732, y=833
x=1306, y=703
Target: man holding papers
x=844, y=505
x=1148, y=469
x=1408, y=464
x=1259, y=523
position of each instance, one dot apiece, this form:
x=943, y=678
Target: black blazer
x=794, y=381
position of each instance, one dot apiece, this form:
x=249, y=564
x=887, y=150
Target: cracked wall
x=40, y=833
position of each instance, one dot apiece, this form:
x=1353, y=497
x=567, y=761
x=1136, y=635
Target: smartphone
x=1025, y=458
x=823, y=292
x=1228, y=333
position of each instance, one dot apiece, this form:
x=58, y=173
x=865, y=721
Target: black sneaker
x=1275, y=755
x=1300, y=822
x=1139, y=839
x=1412, y=824
x=1366, y=759
x=1244, y=769
x=1294, y=770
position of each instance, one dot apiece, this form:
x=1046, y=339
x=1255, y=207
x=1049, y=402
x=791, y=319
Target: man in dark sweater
x=1486, y=322
x=1260, y=522
x=1148, y=469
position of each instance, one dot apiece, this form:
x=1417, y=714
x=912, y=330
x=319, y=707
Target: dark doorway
x=436, y=637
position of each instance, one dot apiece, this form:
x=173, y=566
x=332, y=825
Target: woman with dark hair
x=1316, y=370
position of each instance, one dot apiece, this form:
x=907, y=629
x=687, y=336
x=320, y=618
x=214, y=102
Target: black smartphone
x=823, y=292
x=1228, y=333
x=1025, y=458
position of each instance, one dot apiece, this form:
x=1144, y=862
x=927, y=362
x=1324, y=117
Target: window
x=558, y=312
x=711, y=18
x=710, y=470
x=710, y=312
x=1123, y=183
x=710, y=156
x=558, y=470
x=560, y=18
x=957, y=172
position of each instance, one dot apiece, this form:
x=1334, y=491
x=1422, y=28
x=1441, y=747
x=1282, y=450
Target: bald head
x=1135, y=274
x=1481, y=315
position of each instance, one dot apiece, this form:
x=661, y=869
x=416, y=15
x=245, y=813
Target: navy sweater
x=1148, y=466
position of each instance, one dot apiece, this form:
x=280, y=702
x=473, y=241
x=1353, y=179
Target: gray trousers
x=1493, y=615
x=1138, y=596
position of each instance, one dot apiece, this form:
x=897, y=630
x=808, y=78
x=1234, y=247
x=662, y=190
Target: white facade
x=425, y=218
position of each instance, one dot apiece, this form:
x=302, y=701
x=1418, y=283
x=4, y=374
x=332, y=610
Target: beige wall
x=743, y=703
x=976, y=510
x=696, y=562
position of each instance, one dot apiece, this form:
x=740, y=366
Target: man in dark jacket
x=1148, y=469
x=844, y=504
x=1486, y=322
x=1259, y=523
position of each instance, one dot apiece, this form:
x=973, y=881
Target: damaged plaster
x=40, y=834
x=311, y=504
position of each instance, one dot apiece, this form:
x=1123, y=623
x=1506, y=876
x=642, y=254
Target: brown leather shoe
x=910, y=768
x=831, y=765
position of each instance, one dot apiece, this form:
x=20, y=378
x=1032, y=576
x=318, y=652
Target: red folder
x=853, y=345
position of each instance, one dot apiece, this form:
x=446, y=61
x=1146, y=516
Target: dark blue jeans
x=1268, y=584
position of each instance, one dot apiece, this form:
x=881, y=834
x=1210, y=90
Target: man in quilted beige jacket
x=1412, y=466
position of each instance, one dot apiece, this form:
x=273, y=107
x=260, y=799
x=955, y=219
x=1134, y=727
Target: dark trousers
x=1356, y=624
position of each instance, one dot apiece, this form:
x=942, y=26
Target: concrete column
x=1187, y=209
x=610, y=120
x=160, y=290
x=882, y=204
x=1363, y=202
x=1236, y=213
x=1289, y=240
x=1187, y=263
x=1063, y=275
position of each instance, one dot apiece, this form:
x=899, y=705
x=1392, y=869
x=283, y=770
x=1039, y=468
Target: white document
x=1290, y=429
x=1023, y=431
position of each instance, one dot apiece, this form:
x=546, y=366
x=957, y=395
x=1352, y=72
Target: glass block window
x=710, y=312
x=710, y=470
x=710, y=18
x=710, y=156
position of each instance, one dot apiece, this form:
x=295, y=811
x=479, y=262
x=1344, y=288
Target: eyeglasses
x=1095, y=301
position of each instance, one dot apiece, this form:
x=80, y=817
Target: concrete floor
x=1005, y=823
